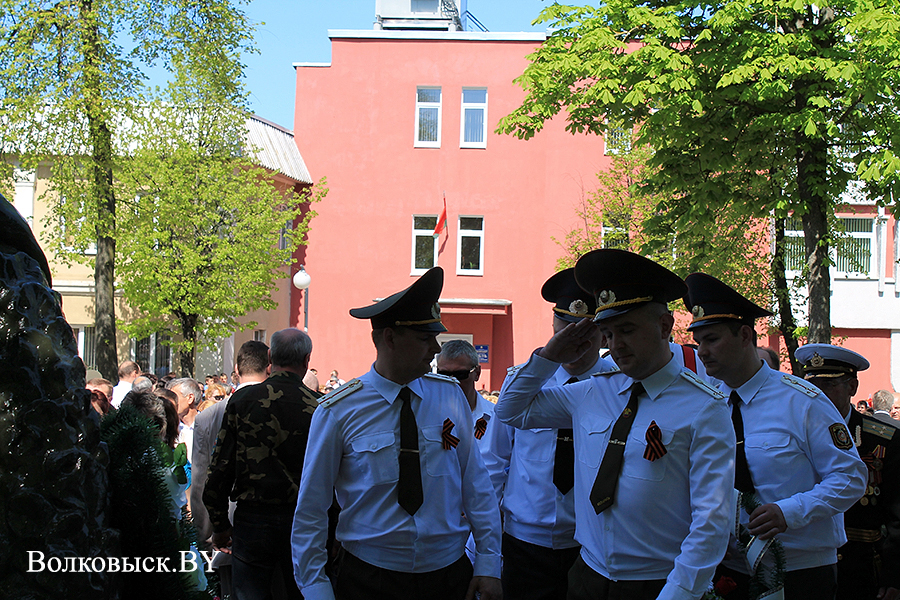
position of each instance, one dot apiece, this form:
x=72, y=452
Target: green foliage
x=620, y=214
x=761, y=107
x=70, y=92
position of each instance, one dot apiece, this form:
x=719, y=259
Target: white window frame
x=417, y=233
x=462, y=118
x=422, y=105
x=835, y=272
x=472, y=233
x=259, y=335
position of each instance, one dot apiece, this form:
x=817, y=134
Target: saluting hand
x=570, y=343
x=767, y=521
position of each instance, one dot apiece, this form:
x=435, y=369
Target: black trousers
x=359, y=580
x=532, y=572
x=816, y=583
x=587, y=584
x=858, y=571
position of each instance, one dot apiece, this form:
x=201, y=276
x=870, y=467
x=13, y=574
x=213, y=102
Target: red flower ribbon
x=655, y=447
x=448, y=440
x=869, y=459
x=480, y=427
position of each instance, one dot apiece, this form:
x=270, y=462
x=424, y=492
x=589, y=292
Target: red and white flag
x=442, y=220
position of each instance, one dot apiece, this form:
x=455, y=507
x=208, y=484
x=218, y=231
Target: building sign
x=482, y=351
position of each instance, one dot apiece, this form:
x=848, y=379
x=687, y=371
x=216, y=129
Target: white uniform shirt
x=794, y=462
x=354, y=445
x=669, y=519
x=521, y=463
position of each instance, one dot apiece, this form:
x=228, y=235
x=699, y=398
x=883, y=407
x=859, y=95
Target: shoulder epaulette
x=513, y=369
x=876, y=427
x=615, y=371
x=690, y=376
x=440, y=377
x=342, y=392
x=800, y=386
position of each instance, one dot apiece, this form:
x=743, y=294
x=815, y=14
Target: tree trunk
x=103, y=195
x=813, y=169
x=189, y=334
x=786, y=324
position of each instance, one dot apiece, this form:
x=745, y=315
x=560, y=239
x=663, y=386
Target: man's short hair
x=186, y=386
x=290, y=347
x=774, y=361
x=883, y=400
x=253, y=357
x=107, y=385
x=128, y=368
x=142, y=384
x=453, y=349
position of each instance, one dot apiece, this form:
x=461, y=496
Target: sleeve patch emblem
x=840, y=436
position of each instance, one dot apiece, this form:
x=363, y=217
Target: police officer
x=793, y=450
x=397, y=447
x=654, y=448
x=533, y=470
x=869, y=563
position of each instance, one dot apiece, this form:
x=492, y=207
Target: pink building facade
x=403, y=119
x=399, y=121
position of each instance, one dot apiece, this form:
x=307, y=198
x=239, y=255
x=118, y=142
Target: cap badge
x=816, y=360
x=698, y=312
x=606, y=297
x=578, y=307
x=436, y=310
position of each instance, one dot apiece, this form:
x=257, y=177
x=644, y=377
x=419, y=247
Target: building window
x=259, y=335
x=851, y=254
x=425, y=243
x=473, y=122
x=86, y=339
x=428, y=117
x=617, y=139
x=470, y=246
x=153, y=354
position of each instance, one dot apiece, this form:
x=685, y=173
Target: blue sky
x=290, y=31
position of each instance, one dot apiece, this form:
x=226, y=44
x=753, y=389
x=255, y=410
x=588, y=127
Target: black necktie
x=742, y=480
x=564, y=462
x=409, y=488
x=608, y=476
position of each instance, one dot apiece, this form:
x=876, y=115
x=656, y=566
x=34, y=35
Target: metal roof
x=273, y=147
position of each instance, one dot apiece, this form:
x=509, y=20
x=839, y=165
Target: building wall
x=356, y=125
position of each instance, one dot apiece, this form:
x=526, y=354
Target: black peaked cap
x=621, y=281
x=415, y=307
x=572, y=302
x=711, y=301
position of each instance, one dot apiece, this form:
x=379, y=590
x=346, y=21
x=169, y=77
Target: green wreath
x=762, y=583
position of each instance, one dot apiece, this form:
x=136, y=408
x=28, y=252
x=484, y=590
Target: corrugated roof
x=273, y=147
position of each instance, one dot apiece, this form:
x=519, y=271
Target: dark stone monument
x=53, y=478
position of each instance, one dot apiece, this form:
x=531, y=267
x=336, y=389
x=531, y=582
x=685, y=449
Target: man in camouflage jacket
x=257, y=462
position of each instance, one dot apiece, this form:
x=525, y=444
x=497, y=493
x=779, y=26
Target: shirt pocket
x=545, y=450
x=590, y=444
x=764, y=447
x=639, y=467
x=376, y=458
x=438, y=461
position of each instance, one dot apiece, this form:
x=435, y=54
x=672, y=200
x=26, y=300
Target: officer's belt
x=863, y=535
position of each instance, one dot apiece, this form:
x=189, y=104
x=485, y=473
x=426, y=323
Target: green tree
x=208, y=234
x=616, y=213
x=68, y=87
x=763, y=107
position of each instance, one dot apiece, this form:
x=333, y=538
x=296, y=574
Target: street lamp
x=301, y=282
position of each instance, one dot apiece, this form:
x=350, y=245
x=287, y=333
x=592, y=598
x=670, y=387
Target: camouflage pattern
x=259, y=452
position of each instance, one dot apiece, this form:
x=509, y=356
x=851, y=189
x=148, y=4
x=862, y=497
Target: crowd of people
x=656, y=471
